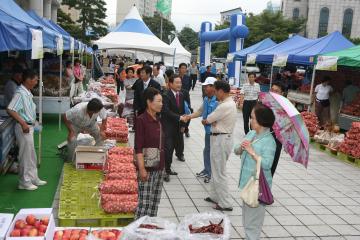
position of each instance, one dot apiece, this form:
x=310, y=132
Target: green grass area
x=12, y=199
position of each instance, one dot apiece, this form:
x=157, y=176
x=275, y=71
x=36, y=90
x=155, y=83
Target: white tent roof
x=132, y=33
x=180, y=50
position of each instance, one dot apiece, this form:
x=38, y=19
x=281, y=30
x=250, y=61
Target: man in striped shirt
x=251, y=92
x=23, y=109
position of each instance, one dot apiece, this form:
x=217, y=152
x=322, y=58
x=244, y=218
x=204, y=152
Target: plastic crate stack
x=117, y=129
x=119, y=190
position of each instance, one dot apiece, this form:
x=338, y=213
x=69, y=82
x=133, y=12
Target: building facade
x=325, y=16
x=44, y=8
x=146, y=8
x=226, y=15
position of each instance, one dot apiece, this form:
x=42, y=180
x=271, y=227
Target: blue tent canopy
x=48, y=26
x=10, y=30
x=10, y=8
x=264, y=44
x=292, y=44
x=330, y=43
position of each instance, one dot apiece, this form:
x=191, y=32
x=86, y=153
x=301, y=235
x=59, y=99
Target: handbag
x=250, y=193
x=265, y=195
x=152, y=155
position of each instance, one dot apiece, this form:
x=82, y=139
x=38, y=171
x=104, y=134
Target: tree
x=92, y=13
x=65, y=21
x=154, y=25
x=189, y=38
x=272, y=25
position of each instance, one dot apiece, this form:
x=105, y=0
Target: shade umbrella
x=289, y=127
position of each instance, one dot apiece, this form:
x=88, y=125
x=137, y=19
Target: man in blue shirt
x=209, y=105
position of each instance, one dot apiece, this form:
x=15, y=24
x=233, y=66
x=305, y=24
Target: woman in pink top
x=77, y=85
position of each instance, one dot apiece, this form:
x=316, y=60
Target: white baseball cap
x=209, y=81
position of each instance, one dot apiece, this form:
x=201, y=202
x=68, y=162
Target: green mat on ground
x=12, y=199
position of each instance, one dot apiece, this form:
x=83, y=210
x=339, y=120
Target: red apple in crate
x=29, y=227
x=95, y=233
x=45, y=221
x=31, y=219
x=41, y=234
x=15, y=233
x=24, y=232
x=58, y=234
x=84, y=231
x=82, y=238
x=33, y=232
x=42, y=228
x=37, y=224
x=20, y=224
x=75, y=236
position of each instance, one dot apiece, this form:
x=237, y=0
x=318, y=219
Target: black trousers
x=247, y=108
x=173, y=140
x=119, y=85
x=276, y=156
x=193, y=78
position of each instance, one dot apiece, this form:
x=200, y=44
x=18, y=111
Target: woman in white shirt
x=322, y=102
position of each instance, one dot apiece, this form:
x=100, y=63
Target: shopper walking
x=159, y=78
x=120, y=76
x=173, y=121
x=209, y=105
x=277, y=88
x=77, y=84
x=149, y=134
x=259, y=145
x=83, y=117
x=140, y=86
x=251, y=92
x=322, y=101
x=222, y=122
x=193, y=74
x=23, y=109
x=185, y=79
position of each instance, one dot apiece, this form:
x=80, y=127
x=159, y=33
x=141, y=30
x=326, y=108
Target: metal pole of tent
x=60, y=88
x=174, y=59
x=271, y=76
x=312, y=87
x=40, y=107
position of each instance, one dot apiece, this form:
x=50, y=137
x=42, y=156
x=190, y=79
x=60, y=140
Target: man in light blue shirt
x=209, y=105
x=23, y=109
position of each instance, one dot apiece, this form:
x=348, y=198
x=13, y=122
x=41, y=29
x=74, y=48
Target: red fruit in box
x=37, y=224
x=20, y=224
x=33, y=232
x=82, y=238
x=95, y=233
x=75, y=236
x=25, y=232
x=42, y=228
x=45, y=221
x=59, y=233
x=27, y=226
x=41, y=234
x=83, y=231
x=31, y=219
x=15, y=233
x=65, y=238
x=75, y=231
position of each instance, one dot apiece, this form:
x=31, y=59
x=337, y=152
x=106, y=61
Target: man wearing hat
x=209, y=105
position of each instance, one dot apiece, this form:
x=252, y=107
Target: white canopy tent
x=133, y=34
x=181, y=56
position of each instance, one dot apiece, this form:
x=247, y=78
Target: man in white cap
x=209, y=105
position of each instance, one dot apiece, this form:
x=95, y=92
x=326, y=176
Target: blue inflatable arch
x=235, y=35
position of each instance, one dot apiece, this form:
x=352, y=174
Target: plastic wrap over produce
x=121, y=175
x=205, y=226
x=351, y=144
x=118, y=186
x=150, y=228
x=117, y=203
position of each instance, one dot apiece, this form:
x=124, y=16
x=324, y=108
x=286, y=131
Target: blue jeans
x=207, y=163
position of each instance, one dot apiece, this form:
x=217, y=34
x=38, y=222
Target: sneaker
x=40, y=183
x=207, y=179
x=30, y=187
x=201, y=174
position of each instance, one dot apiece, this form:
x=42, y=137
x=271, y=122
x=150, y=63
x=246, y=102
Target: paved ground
x=322, y=202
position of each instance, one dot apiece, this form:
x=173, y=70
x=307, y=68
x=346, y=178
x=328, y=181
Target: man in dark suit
x=185, y=78
x=140, y=86
x=173, y=121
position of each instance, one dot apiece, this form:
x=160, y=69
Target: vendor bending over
x=83, y=119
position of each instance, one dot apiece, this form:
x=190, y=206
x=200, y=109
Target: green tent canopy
x=349, y=57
